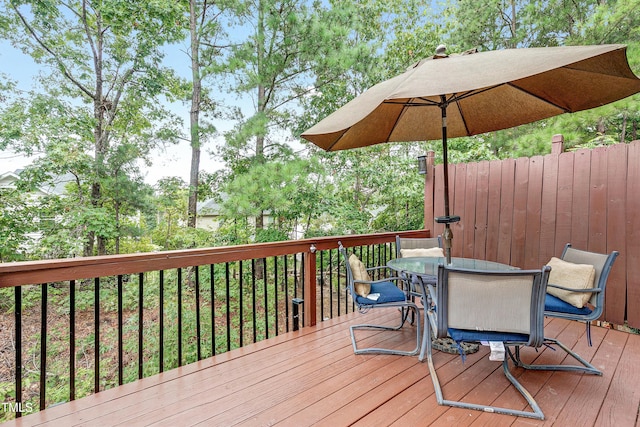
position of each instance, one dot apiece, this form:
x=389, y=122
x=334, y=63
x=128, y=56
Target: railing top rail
x=46, y=271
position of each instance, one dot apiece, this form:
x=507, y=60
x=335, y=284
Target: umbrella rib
x=431, y=103
x=338, y=139
x=560, y=107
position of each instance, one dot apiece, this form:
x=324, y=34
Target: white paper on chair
x=373, y=297
x=497, y=351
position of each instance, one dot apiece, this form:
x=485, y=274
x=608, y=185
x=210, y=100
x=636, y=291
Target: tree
x=16, y=222
x=171, y=198
x=291, y=44
x=106, y=79
x=207, y=42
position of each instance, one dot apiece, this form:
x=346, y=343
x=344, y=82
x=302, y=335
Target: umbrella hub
x=441, y=52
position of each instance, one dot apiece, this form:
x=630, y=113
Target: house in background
x=55, y=187
x=208, y=215
x=210, y=218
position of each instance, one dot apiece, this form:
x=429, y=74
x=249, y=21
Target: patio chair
x=502, y=306
x=567, y=300
x=409, y=244
x=419, y=247
x=370, y=294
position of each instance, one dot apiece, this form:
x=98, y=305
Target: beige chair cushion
x=431, y=252
x=570, y=275
x=359, y=272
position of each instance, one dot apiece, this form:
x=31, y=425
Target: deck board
x=311, y=377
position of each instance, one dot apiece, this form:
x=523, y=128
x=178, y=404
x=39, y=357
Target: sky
x=174, y=161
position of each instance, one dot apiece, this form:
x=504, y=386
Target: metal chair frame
x=438, y=319
x=405, y=306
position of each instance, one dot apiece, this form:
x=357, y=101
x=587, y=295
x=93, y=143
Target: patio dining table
x=427, y=269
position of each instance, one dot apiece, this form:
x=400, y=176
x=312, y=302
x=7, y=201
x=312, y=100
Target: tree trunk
x=194, y=117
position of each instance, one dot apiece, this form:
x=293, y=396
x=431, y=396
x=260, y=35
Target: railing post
x=297, y=304
x=310, y=287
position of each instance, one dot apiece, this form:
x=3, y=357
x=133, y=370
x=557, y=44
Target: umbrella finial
x=441, y=51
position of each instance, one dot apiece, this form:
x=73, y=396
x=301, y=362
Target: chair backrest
x=508, y=302
x=416, y=243
x=602, y=264
x=350, y=283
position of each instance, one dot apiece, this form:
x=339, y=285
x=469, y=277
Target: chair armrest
x=590, y=290
x=382, y=267
x=386, y=279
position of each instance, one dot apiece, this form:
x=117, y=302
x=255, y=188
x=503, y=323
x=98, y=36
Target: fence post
x=557, y=144
x=310, y=287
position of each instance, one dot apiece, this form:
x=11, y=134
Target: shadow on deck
x=312, y=377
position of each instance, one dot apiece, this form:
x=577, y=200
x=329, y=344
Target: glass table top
x=429, y=265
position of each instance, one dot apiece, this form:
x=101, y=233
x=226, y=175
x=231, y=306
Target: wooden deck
x=312, y=377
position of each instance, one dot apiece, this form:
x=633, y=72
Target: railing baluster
x=43, y=345
x=295, y=275
x=72, y=340
x=96, y=335
x=212, y=272
x=140, y=324
x=241, y=302
x=161, y=323
x=227, y=289
x=338, y=290
x=18, y=338
x=286, y=293
x=321, y=285
x=179, y=317
x=198, y=324
x=330, y=285
x=266, y=299
x=275, y=292
x=253, y=300
x=302, y=275
x=120, y=334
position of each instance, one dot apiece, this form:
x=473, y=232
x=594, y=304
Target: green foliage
x=299, y=61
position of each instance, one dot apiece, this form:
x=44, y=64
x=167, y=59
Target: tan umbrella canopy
x=469, y=94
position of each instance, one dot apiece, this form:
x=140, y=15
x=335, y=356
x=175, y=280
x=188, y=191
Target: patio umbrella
x=462, y=95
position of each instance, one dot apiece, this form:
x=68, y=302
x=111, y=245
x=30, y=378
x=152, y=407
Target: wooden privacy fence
x=523, y=211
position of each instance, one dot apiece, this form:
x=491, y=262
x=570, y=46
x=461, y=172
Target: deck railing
x=87, y=324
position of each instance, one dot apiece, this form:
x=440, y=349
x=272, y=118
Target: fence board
x=633, y=236
x=493, y=209
x=429, y=189
x=506, y=210
x=438, y=202
x=534, y=207
x=459, y=209
x=549, y=207
x=565, y=201
x=616, y=294
x=597, y=213
x=518, y=233
x=580, y=208
x=482, y=197
x=470, y=210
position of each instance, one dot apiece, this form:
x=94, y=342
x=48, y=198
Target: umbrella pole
x=447, y=219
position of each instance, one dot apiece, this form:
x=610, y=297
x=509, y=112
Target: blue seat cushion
x=467, y=335
x=388, y=291
x=555, y=304
x=460, y=335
